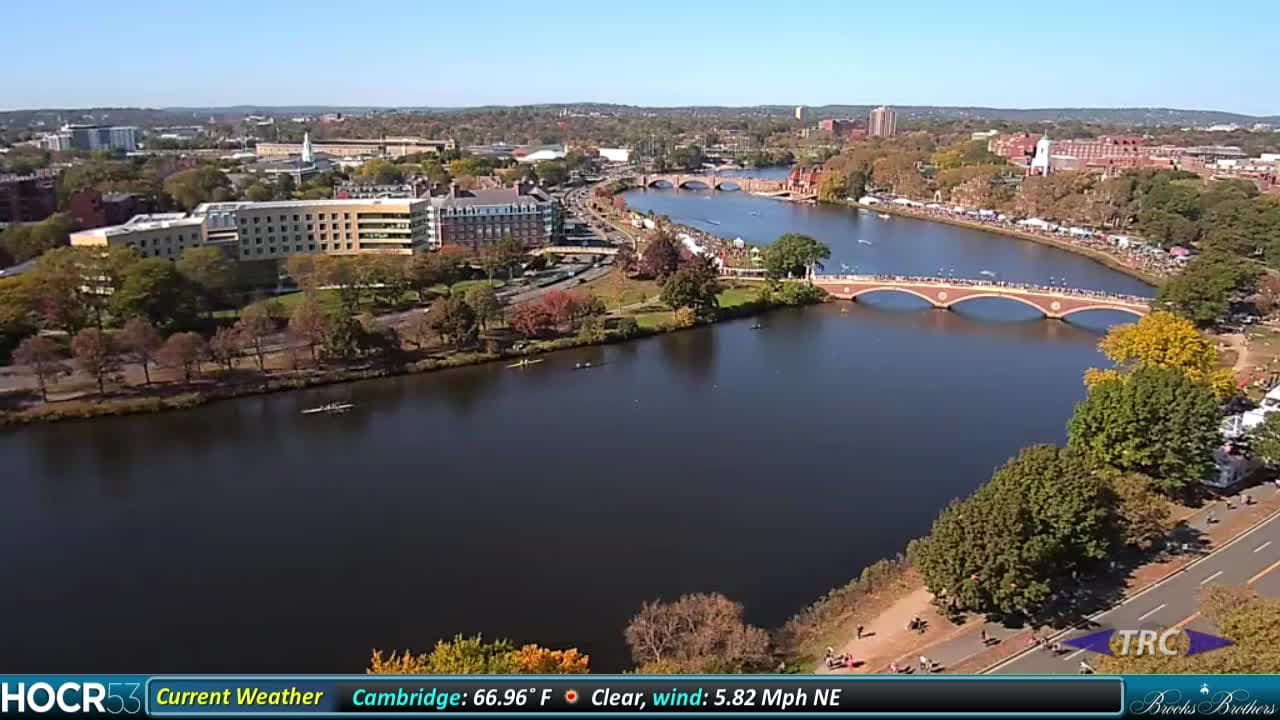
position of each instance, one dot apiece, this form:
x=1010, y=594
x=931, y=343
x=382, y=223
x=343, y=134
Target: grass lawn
x=616, y=290
x=734, y=296
x=651, y=320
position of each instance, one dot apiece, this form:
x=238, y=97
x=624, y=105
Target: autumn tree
x=306, y=324
x=454, y=320
x=530, y=319
x=254, y=328
x=1155, y=421
x=699, y=634
x=474, y=656
x=43, y=360
x=224, y=347
x=182, y=350
x=661, y=257
x=1164, y=340
x=561, y=305
x=1251, y=622
x=141, y=339
x=1001, y=550
x=94, y=353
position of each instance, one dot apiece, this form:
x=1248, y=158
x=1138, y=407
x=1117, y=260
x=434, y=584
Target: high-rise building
x=883, y=122
x=101, y=137
x=801, y=112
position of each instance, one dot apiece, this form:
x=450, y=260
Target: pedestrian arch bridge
x=1052, y=302
x=575, y=250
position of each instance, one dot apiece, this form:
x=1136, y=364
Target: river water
x=543, y=504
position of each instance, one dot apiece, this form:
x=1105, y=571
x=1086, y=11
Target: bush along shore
x=644, y=320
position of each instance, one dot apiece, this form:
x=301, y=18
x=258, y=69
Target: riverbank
x=736, y=303
x=1103, y=258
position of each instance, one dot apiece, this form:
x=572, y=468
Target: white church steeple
x=306, y=148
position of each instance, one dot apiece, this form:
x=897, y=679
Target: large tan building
x=163, y=235
x=353, y=147
x=274, y=230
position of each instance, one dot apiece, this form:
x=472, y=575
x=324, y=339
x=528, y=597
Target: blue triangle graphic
x=1099, y=642
x=1204, y=642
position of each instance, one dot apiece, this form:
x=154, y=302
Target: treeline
x=1235, y=230
x=1052, y=518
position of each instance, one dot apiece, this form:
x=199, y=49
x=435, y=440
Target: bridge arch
x=1114, y=308
x=892, y=288
x=660, y=183
x=1025, y=301
x=694, y=184
x=728, y=186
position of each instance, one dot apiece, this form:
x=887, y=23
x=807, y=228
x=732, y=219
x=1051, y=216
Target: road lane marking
x=1211, y=577
x=1073, y=654
x=1262, y=547
x=1153, y=611
x=1258, y=577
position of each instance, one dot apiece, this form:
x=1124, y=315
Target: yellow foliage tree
x=1164, y=340
x=474, y=656
x=536, y=660
x=1240, y=615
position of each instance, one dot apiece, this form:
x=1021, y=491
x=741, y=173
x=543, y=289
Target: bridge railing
x=990, y=284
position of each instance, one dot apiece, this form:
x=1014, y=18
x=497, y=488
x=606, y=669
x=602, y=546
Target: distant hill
x=1101, y=116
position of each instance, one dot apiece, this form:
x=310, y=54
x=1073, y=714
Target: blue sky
x=78, y=53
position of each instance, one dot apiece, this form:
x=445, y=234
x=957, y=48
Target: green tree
x=380, y=172
x=24, y=242
x=200, y=185
x=551, y=172
x=154, y=289
x=832, y=188
x=257, y=192
x=1206, y=287
x=1143, y=516
x=1264, y=440
x=95, y=354
x=794, y=255
x=483, y=299
x=17, y=313
x=141, y=339
x=695, y=286
x=1157, y=422
x=209, y=269
x=1042, y=516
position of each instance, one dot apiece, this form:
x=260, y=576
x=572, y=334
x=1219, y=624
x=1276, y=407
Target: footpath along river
x=543, y=504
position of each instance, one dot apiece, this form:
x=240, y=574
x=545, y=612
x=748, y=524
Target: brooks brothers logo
x=1209, y=702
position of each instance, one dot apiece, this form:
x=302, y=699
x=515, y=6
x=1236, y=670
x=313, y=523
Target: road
x=1252, y=559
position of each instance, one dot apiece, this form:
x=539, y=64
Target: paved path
x=1255, y=556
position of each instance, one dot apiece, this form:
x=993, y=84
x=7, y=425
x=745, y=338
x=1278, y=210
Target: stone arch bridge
x=712, y=181
x=1052, y=302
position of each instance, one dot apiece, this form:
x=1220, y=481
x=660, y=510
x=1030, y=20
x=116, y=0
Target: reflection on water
x=542, y=504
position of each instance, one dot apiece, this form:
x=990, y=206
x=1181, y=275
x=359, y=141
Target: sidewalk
x=962, y=650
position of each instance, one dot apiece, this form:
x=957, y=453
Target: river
x=543, y=504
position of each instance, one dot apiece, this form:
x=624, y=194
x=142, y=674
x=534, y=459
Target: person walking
x=860, y=628
x=1086, y=668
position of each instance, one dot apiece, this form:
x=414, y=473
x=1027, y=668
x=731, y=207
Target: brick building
x=90, y=208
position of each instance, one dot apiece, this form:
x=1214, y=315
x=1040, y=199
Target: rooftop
x=157, y=221
x=503, y=196
x=207, y=208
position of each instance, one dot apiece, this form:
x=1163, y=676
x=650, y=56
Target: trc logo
x=1136, y=643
